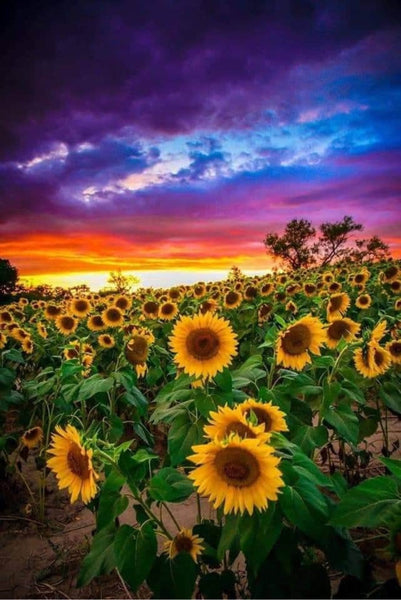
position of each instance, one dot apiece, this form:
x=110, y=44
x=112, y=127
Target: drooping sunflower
x=209, y=305
x=226, y=421
x=72, y=464
x=3, y=340
x=136, y=349
x=390, y=273
x=66, y=324
x=80, y=307
x=363, y=301
x=268, y=415
x=186, y=542
x=340, y=329
x=113, y=317
x=240, y=473
x=32, y=437
x=96, y=323
x=42, y=331
x=337, y=306
x=372, y=360
x=299, y=339
x=106, y=341
x=167, y=311
x=203, y=344
x=264, y=312
x=394, y=349
x=232, y=299
x=27, y=345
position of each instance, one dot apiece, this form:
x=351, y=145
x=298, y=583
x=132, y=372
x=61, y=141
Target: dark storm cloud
x=75, y=71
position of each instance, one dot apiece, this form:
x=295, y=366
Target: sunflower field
x=252, y=401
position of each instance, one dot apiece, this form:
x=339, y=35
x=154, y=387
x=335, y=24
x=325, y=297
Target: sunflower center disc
x=77, y=462
x=137, y=350
x=183, y=543
x=395, y=348
x=297, y=339
x=335, y=303
x=32, y=434
x=337, y=330
x=237, y=467
x=379, y=358
x=203, y=344
x=263, y=417
x=241, y=429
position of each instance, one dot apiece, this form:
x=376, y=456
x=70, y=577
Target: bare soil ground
x=42, y=560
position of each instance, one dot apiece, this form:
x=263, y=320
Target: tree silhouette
x=8, y=277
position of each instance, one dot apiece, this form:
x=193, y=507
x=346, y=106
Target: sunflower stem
x=172, y=516
x=198, y=504
x=336, y=364
x=271, y=373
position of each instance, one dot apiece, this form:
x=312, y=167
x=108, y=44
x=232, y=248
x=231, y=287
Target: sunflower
x=280, y=296
x=360, y=278
x=297, y=340
x=397, y=304
x=52, y=312
x=20, y=334
x=32, y=437
x=184, y=541
x=203, y=344
x=136, y=349
x=394, y=348
x=390, y=273
x=123, y=302
x=66, y=324
x=41, y=330
x=310, y=289
x=106, y=341
x=150, y=309
x=363, y=301
x=27, y=345
x=209, y=305
x=71, y=353
x=250, y=292
x=72, y=464
x=334, y=287
x=379, y=331
x=96, y=323
x=3, y=340
x=6, y=316
x=175, y=294
x=372, y=360
x=199, y=290
x=327, y=277
x=167, y=311
x=340, y=329
x=266, y=289
x=233, y=420
x=80, y=307
x=396, y=286
x=240, y=473
x=141, y=370
x=232, y=299
x=291, y=307
x=113, y=317
x=337, y=306
x=266, y=414
x=23, y=301
x=264, y=312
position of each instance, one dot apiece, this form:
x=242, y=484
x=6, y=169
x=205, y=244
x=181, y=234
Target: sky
x=173, y=135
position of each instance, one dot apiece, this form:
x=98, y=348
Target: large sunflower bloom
x=268, y=415
x=240, y=473
x=337, y=306
x=340, y=329
x=296, y=342
x=184, y=541
x=203, y=344
x=72, y=464
x=226, y=421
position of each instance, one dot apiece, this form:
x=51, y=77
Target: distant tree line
x=298, y=248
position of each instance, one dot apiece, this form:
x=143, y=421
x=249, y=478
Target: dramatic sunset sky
x=173, y=134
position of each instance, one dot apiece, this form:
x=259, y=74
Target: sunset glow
x=156, y=149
